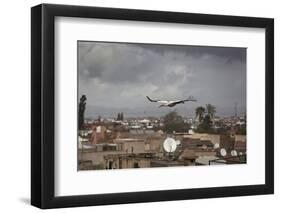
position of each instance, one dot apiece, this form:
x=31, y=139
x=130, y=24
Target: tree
x=174, y=122
x=211, y=110
x=241, y=130
x=200, y=111
x=205, y=117
x=81, y=111
x=206, y=125
x=120, y=116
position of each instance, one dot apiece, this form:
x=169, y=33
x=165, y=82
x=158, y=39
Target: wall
x=15, y=105
x=215, y=139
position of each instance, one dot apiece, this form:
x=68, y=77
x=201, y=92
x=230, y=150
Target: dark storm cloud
x=196, y=51
x=120, y=75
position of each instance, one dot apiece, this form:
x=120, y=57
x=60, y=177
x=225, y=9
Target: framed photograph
x=139, y=106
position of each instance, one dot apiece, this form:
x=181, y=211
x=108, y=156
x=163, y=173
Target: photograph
x=118, y=94
x=160, y=105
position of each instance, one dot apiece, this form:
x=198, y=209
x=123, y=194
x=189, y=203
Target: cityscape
x=129, y=116
x=172, y=140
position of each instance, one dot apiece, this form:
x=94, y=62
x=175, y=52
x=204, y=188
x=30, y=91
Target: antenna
x=216, y=146
x=170, y=145
x=233, y=153
x=223, y=152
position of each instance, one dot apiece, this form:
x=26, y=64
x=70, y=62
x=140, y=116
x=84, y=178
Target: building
x=123, y=161
x=98, y=134
x=213, y=138
x=130, y=145
x=240, y=144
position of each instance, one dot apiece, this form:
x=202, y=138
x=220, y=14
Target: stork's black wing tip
x=191, y=98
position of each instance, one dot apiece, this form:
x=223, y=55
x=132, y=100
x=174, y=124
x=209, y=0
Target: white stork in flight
x=171, y=103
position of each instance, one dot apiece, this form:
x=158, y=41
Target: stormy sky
x=116, y=77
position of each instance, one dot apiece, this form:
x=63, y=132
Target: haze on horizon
x=117, y=77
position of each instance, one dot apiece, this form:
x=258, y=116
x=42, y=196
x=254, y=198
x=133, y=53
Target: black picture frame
x=43, y=105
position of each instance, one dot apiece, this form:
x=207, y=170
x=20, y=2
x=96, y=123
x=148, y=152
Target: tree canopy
x=205, y=117
x=174, y=122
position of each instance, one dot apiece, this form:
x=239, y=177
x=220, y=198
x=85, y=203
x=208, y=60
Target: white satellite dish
x=233, y=153
x=170, y=145
x=216, y=146
x=223, y=152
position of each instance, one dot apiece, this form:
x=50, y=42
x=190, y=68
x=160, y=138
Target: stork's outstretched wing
x=190, y=98
x=173, y=103
x=151, y=99
x=158, y=101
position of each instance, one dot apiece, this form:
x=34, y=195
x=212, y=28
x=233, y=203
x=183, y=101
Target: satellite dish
x=204, y=147
x=223, y=152
x=240, y=153
x=170, y=145
x=233, y=153
x=216, y=146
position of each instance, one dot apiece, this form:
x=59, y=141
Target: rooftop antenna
x=223, y=152
x=170, y=146
x=234, y=153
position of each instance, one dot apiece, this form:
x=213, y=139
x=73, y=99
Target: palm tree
x=200, y=111
x=211, y=110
